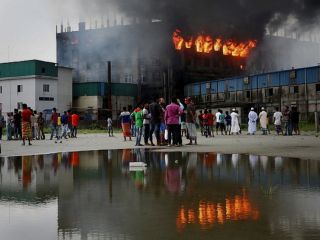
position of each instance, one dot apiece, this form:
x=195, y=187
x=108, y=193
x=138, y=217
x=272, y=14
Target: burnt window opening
x=318, y=87
x=43, y=70
x=294, y=89
x=248, y=94
x=270, y=92
x=188, y=62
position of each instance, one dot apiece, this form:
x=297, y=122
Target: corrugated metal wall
x=101, y=89
x=28, y=68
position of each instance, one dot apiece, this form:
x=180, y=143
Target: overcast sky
x=28, y=28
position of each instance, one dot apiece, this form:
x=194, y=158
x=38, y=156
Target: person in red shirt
x=26, y=124
x=75, y=124
x=211, y=119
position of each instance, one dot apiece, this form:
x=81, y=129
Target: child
x=109, y=127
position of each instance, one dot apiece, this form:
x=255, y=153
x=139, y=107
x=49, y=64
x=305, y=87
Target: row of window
x=221, y=87
x=46, y=88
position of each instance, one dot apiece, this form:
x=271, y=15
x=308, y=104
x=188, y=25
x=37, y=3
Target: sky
x=28, y=28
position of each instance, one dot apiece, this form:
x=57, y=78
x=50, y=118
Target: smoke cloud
x=239, y=18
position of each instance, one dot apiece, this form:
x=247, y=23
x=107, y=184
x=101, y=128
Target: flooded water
x=98, y=195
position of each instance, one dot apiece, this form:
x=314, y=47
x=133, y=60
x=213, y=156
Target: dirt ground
x=306, y=146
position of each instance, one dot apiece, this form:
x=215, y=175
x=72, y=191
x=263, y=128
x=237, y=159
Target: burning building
x=168, y=45
x=146, y=61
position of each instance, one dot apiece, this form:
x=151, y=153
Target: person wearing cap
x=235, y=127
x=263, y=119
x=252, y=124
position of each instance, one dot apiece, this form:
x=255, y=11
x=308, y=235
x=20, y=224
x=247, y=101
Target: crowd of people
x=28, y=125
x=168, y=123
x=164, y=123
x=154, y=123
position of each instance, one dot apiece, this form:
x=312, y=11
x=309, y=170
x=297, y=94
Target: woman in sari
x=26, y=124
x=125, y=123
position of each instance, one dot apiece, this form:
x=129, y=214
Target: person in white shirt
x=252, y=124
x=146, y=123
x=235, y=127
x=218, y=121
x=277, y=117
x=263, y=118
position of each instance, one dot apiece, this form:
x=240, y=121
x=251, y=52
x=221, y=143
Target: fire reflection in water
x=208, y=213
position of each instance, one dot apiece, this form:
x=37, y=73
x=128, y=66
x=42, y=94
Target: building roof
x=28, y=68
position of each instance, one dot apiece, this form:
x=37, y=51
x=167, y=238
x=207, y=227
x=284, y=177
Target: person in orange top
x=75, y=124
x=26, y=124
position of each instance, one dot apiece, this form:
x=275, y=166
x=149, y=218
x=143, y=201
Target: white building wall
x=9, y=98
x=40, y=95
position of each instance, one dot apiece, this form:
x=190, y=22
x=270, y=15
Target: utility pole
x=109, y=85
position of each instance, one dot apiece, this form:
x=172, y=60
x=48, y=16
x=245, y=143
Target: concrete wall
x=9, y=98
x=64, y=89
x=41, y=105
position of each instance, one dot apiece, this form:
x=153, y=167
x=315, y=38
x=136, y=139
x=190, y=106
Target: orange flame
x=189, y=43
x=206, y=44
x=177, y=39
x=218, y=44
x=236, y=208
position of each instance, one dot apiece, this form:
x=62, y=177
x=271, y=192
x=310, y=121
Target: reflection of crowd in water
x=179, y=171
x=26, y=167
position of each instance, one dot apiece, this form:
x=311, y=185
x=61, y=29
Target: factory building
x=293, y=87
x=41, y=85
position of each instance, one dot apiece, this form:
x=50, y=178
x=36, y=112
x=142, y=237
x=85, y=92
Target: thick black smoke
x=238, y=18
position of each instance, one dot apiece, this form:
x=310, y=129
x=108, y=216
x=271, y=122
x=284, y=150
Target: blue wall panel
x=203, y=88
x=284, y=78
x=196, y=90
x=300, y=76
x=262, y=81
x=274, y=80
x=214, y=86
x=232, y=85
x=312, y=75
x=221, y=86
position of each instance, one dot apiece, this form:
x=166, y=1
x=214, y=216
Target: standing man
x=263, y=118
x=2, y=124
x=228, y=123
x=138, y=116
x=277, y=117
x=35, y=125
x=222, y=124
x=218, y=121
x=235, y=126
x=287, y=121
x=155, y=112
x=54, y=124
x=191, y=121
x=200, y=118
x=75, y=124
x=172, y=114
x=26, y=124
x=70, y=133
x=41, y=126
x=64, y=123
x=146, y=123
x=295, y=118
x=252, y=124
x=17, y=124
